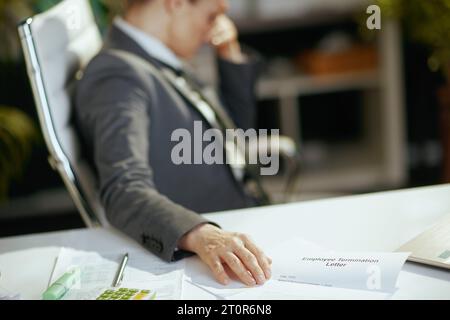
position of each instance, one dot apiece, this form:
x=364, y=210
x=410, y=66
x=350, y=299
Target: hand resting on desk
x=222, y=250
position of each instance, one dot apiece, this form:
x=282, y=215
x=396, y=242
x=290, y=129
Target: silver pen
x=120, y=271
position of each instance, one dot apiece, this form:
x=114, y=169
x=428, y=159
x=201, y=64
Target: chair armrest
x=288, y=152
x=284, y=146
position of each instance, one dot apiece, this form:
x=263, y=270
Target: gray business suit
x=126, y=117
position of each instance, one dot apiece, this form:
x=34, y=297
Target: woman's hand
x=221, y=249
x=224, y=38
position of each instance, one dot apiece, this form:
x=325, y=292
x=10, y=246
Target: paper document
x=305, y=270
x=364, y=271
x=279, y=290
x=300, y=262
x=143, y=271
x=199, y=274
x=7, y=295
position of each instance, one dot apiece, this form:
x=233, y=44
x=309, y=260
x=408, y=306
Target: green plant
x=426, y=21
x=13, y=11
x=17, y=137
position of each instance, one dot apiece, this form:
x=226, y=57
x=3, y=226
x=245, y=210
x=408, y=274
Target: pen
x=120, y=272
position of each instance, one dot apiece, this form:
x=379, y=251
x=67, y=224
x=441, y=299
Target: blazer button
x=155, y=245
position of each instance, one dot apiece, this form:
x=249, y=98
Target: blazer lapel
x=117, y=39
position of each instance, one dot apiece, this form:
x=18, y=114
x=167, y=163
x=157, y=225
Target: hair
x=131, y=3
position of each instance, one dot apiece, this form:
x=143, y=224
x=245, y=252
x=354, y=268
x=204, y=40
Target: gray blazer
x=126, y=117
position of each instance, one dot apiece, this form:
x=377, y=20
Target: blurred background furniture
x=444, y=99
x=340, y=99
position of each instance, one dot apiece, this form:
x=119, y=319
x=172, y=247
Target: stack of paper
x=143, y=271
x=6, y=295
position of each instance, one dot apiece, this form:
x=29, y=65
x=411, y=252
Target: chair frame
x=57, y=157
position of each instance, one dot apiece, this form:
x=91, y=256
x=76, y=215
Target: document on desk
x=364, y=271
x=371, y=271
x=280, y=290
x=305, y=270
x=7, y=295
x=143, y=271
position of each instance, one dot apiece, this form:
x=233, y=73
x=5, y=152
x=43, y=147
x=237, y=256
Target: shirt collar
x=152, y=45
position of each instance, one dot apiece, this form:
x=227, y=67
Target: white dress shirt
x=152, y=45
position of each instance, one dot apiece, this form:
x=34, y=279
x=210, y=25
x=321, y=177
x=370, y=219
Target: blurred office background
x=369, y=110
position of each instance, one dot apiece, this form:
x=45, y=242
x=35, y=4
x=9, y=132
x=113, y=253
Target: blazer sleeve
x=237, y=89
x=112, y=112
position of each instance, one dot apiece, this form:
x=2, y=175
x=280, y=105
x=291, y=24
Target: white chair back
x=57, y=45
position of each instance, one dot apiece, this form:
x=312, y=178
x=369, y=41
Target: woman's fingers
x=236, y=265
x=215, y=264
x=263, y=261
x=251, y=263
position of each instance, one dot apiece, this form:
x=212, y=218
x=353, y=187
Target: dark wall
x=425, y=149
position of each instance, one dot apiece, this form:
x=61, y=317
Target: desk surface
x=373, y=222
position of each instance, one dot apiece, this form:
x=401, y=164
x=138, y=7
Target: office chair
x=57, y=44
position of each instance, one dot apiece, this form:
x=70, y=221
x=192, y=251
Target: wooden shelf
x=345, y=179
x=345, y=170
x=295, y=86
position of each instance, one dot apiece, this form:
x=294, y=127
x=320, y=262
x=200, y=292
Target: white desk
x=375, y=222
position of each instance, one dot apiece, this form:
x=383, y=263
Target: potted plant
x=17, y=130
x=17, y=136
x=428, y=22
